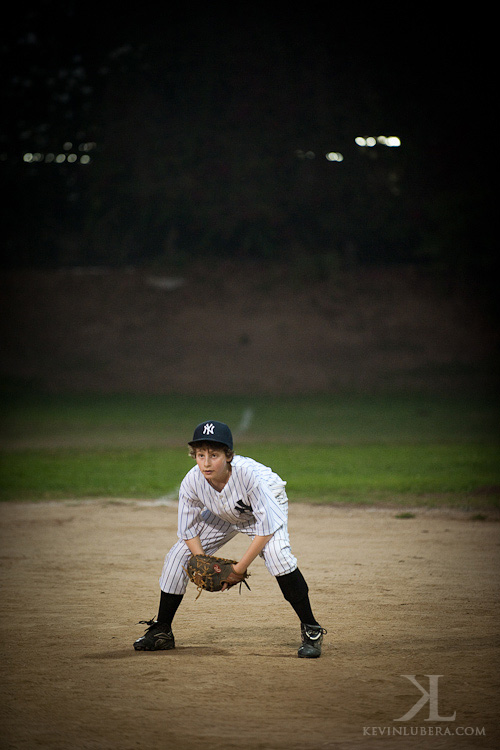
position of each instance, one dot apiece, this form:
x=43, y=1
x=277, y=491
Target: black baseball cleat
x=157, y=637
x=312, y=638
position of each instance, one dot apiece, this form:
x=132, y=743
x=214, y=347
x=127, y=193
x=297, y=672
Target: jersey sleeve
x=269, y=515
x=190, y=507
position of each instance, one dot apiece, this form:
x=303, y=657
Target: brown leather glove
x=234, y=578
x=214, y=573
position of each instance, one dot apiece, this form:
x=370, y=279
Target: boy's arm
x=194, y=545
x=257, y=545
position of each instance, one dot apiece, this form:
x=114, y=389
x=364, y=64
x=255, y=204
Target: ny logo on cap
x=208, y=429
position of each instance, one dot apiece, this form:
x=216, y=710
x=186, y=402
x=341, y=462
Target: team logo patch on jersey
x=241, y=507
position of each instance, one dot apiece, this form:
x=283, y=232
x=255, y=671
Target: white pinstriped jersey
x=250, y=498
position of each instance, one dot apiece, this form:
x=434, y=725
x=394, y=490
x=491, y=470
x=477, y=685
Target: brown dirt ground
x=398, y=596
x=237, y=330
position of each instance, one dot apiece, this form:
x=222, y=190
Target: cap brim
x=207, y=440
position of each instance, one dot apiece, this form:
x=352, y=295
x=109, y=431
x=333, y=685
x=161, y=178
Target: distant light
x=334, y=156
x=304, y=154
x=68, y=146
x=32, y=158
x=29, y=157
x=392, y=141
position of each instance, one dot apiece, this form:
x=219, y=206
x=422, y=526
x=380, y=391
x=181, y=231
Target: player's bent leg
x=277, y=554
x=173, y=583
x=278, y=557
x=173, y=578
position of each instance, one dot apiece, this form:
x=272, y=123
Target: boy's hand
x=233, y=578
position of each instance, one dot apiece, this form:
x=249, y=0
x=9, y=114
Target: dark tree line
x=211, y=139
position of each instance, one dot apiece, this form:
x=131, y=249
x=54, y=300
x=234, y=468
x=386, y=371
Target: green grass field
x=400, y=450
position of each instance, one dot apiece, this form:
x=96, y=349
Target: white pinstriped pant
x=214, y=533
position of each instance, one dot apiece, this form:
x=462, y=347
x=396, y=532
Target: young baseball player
x=223, y=495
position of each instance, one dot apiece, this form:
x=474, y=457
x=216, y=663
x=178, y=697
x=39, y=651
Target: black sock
x=296, y=591
x=168, y=607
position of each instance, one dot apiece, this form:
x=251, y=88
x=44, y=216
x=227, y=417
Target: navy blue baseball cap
x=213, y=432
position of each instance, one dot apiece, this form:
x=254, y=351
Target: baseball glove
x=214, y=573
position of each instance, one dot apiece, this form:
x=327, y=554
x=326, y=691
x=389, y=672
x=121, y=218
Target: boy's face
x=213, y=464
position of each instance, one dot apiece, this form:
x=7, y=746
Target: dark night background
x=205, y=122
x=176, y=139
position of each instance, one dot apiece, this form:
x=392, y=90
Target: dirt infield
x=415, y=596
